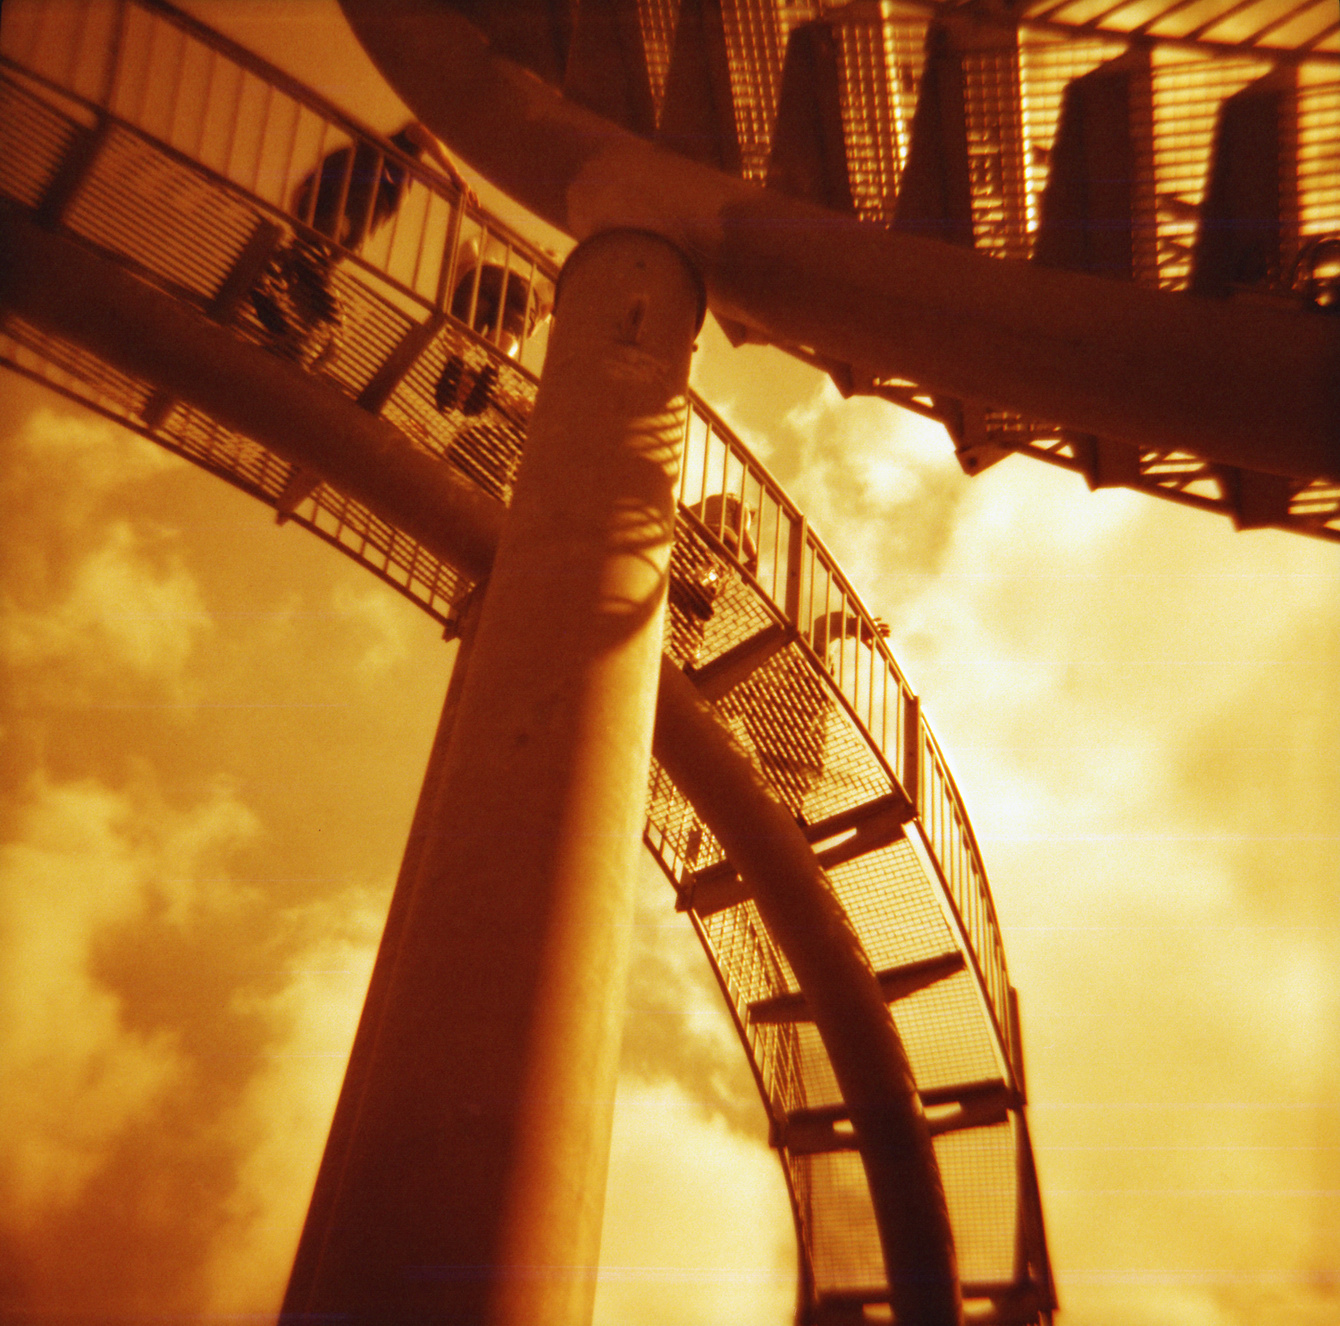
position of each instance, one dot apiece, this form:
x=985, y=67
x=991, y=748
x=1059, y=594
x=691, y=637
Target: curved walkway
x=175, y=161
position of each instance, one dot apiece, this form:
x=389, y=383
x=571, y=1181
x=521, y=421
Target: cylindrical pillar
x=474, y=1180
x=339, y=1141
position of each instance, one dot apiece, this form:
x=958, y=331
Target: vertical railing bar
x=738, y=522
x=776, y=544
x=446, y=277
x=473, y=309
x=234, y=116
x=138, y=119
x=342, y=199
x=286, y=178
x=397, y=215
x=876, y=665
x=812, y=562
x=262, y=136
x=114, y=51
x=707, y=472
x=501, y=316
x=423, y=240
x=715, y=525
x=823, y=617
x=524, y=339
x=309, y=204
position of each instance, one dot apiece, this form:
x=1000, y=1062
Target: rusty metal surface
x=827, y=718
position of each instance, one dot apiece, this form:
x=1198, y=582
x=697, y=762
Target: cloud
x=719, y=1249
x=93, y=1086
x=171, y=1050
x=281, y=1119
x=91, y=599
x=176, y=995
x=378, y=623
x=677, y=1028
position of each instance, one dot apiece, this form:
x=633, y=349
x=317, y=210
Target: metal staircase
x=1188, y=145
x=152, y=169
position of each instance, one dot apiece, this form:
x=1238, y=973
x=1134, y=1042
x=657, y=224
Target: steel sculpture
x=1134, y=155
x=141, y=309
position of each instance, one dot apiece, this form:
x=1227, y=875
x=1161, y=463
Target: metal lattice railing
x=168, y=150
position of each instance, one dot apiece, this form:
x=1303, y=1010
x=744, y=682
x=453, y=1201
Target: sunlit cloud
x=379, y=626
x=280, y=1122
x=718, y=1250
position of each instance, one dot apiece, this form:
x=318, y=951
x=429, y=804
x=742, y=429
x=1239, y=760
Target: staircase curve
x=148, y=170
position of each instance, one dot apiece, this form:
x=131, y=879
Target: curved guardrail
x=178, y=155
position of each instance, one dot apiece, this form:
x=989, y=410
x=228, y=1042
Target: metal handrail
x=799, y=577
x=798, y=580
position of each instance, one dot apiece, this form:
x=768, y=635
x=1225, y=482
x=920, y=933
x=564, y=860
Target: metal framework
x=166, y=152
x=1175, y=145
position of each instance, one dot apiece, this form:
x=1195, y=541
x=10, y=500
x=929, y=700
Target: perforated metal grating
x=176, y=197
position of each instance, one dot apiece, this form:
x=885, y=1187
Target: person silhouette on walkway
x=353, y=192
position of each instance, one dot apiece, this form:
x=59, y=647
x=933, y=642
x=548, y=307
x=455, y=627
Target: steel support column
x=474, y=1182
x=58, y=285
x=427, y=813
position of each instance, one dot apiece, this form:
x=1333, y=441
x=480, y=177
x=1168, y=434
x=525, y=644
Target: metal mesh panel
x=745, y=952
x=892, y=905
x=34, y=139
x=1047, y=62
x=977, y=1167
x=874, y=119
x=1187, y=96
x=162, y=214
x=945, y=1036
x=658, y=19
x=754, y=45
x=1318, y=155
x=995, y=165
x=372, y=329
x=845, y=1248
x=818, y=1083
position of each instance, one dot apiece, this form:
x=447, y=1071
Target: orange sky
x=213, y=733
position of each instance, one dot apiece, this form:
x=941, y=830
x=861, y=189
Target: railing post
x=795, y=566
x=912, y=749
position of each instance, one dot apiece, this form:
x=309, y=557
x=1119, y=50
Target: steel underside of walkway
x=1154, y=145
x=176, y=166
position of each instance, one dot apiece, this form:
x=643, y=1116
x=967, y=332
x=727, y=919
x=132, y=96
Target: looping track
x=169, y=153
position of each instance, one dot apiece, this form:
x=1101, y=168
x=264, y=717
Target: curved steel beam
x=1239, y=384
x=65, y=289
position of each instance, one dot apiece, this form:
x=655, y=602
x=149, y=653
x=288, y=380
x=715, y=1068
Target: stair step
x=895, y=983
x=829, y=1128
x=871, y=826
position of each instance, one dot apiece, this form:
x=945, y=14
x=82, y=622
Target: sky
x=213, y=730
